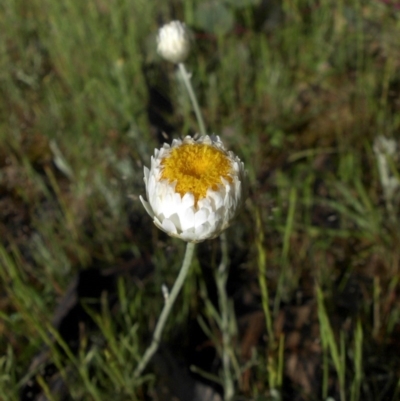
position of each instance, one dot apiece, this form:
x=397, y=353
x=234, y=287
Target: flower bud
x=173, y=42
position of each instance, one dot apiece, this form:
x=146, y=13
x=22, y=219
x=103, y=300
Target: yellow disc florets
x=196, y=168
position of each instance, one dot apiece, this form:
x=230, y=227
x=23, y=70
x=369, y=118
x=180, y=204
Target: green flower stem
x=195, y=104
x=169, y=302
x=221, y=278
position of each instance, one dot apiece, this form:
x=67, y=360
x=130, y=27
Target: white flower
x=385, y=149
x=194, y=188
x=173, y=42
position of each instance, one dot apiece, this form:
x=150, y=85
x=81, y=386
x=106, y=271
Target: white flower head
x=173, y=42
x=194, y=188
x=385, y=149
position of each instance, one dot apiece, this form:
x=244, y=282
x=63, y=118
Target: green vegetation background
x=300, y=89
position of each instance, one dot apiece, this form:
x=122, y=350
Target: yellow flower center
x=196, y=168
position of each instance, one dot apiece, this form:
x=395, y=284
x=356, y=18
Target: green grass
x=300, y=90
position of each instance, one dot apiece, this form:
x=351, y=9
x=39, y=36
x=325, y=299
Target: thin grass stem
x=221, y=278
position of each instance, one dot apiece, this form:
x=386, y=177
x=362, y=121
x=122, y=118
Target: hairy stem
x=186, y=79
x=169, y=302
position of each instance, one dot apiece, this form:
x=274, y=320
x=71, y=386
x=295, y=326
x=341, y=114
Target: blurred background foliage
x=307, y=92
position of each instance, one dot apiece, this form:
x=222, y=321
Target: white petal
x=176, y=142
x=188, y=235
x=187, y=218
x=146, y=174
x=205, y=203
x=200, y=217
x=168, y=226
x=150, y=188
x=216, y=198
x=176, y=221
x=188, y=200
x=203, y=231
x=147, y=206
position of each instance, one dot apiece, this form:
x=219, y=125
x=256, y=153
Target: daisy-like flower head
x=173, y=42
x=194, y=188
